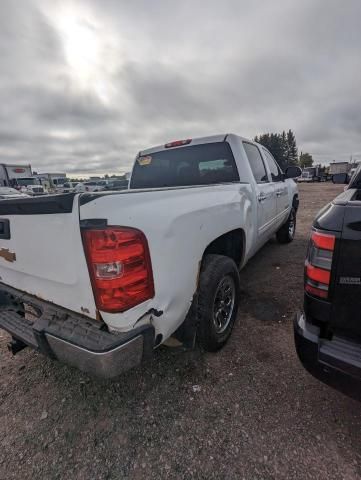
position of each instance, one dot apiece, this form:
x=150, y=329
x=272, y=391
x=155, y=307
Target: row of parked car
x=68, y=187
x=93, y=186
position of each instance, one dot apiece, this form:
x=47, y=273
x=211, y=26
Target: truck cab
x=30, y=186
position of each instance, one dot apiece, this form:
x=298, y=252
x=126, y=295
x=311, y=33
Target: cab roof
x=193, y=141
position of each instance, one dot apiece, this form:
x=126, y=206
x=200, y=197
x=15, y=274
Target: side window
x=256, y=162
x=276, y=173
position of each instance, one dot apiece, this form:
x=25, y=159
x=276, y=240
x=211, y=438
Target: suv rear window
x=203, y=164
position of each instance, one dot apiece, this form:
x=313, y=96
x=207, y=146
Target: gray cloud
x=84, y=85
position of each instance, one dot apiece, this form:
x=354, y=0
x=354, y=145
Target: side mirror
x=293, y=172
x=341, y=178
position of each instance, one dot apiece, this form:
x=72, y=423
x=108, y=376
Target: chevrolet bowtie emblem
x=7, y=255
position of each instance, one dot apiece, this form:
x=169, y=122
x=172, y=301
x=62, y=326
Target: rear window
x=203, y=164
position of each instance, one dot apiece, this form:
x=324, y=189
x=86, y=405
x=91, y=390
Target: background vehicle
x=11, y=174
x=339, y=167
x=313, y=174
x=8, y=192
x=31, y=186
x=52, y=182
x=157, y=260
x=102, y=183
x=88, y=187
x=117, y=185
x=328, y=333
x=68, y=187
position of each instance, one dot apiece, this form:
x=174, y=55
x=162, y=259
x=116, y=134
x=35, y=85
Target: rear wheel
x=287, y=232
x=217, y=301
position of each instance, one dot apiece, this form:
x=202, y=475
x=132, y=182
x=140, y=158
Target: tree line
x=283, y=147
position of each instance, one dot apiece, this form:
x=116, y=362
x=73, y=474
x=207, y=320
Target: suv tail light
x=318, y=264
x=119, y=266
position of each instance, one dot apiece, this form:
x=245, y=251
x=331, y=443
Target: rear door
x=41, y=251
x=281, y=188
x=266, y=200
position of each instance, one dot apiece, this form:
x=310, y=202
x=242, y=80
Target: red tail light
x=323, y=240
x=317, y=274
x=318, y=264
x=119, y=267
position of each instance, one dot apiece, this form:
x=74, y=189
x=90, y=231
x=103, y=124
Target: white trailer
x=10, y=174
x=339, y=167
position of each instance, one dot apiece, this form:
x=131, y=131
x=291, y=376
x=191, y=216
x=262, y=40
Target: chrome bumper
x=71, y=338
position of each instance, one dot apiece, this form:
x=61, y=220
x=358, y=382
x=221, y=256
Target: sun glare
x=86, y=51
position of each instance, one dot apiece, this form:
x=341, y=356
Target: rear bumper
x=71, y=338
x=336, y=362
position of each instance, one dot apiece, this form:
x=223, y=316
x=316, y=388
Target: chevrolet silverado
x=98, y=280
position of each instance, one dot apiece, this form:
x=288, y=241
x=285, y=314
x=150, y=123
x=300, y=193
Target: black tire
x=217, y=274
x=287, y=232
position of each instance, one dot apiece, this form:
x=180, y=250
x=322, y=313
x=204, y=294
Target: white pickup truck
x=98, y=280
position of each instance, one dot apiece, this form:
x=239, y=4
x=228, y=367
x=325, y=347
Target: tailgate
x=346, y=302
x=41, y=251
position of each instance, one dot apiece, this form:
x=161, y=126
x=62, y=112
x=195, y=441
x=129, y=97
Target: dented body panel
x=179, y=225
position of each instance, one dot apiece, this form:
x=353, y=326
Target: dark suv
x=328, y=332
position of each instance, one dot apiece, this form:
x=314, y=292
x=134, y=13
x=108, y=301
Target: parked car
x=328, y=331
x=117, y=185
x=158, y=260
x=102, y=183
x=88, y=187
x=68, y=187
x=8, y=192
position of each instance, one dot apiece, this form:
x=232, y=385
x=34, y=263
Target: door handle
x=261, y=197
x=278, y=193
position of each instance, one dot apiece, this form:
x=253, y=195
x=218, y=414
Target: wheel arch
x=231, y=244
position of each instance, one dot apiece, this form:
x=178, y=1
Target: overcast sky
x=85, y=85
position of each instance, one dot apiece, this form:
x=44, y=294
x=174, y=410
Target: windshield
x=203, y=164
x=59, y=181
x=24, y=182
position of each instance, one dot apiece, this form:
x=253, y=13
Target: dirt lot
x=249, y=412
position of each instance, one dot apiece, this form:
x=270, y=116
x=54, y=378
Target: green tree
x=282, y=146
x=273, y=142
x=291, y=149
x=305, y=160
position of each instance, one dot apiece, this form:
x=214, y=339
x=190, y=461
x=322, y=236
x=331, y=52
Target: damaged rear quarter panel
x=179, y=224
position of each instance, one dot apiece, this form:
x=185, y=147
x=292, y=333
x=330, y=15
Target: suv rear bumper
x=336, y=362
x=71, y=338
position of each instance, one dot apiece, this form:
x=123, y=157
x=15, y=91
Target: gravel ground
x=249, y=411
